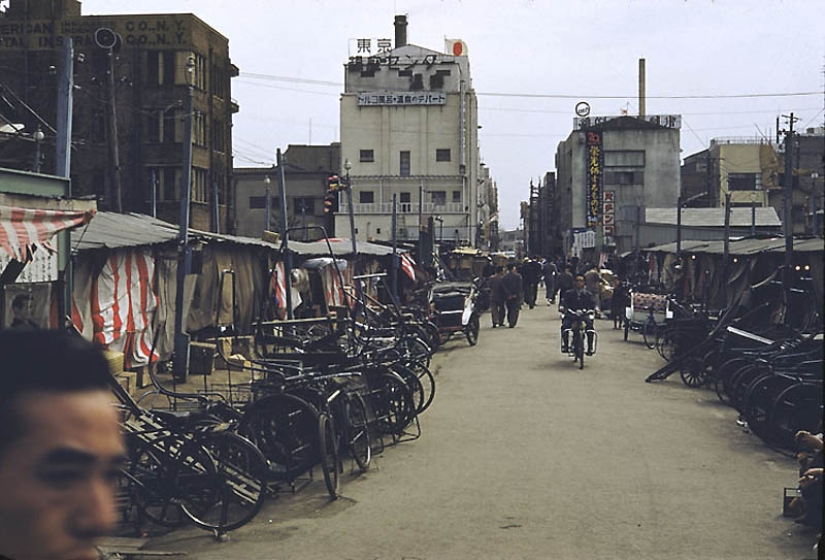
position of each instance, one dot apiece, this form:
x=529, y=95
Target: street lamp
x=38, y=138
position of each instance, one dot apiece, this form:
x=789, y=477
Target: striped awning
x=24, y=229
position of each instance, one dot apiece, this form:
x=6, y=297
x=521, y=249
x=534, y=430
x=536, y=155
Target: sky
x=728, y=67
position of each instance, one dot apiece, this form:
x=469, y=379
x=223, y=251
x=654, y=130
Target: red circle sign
x=458, y=48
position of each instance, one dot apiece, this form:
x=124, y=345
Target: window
x=742, y=182
x=367, y=156
x=366, y=197
x=169, y=184
x=405, y=200
x=626, y=158
x=624, y=178
x=405, y=164
x=442, y=154
x=304, y=206
x=439, y=198
x=456, y=196
x=257, y=202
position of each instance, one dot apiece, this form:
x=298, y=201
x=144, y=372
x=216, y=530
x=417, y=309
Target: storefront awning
x=24, y=229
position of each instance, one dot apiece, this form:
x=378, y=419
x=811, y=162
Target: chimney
x=400, y=31
x=642, y=87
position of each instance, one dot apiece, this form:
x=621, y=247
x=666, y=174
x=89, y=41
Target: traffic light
x=330, y=203
x=333, y=183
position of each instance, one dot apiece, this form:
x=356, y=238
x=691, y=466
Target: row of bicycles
x=318, y=394
x=771, y=373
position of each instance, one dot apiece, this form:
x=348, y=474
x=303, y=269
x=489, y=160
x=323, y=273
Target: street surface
x=524, y=456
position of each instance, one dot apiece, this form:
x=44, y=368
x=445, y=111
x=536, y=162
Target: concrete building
x=608, y=170
x=306, y=169
x=132, y=75
x=751, y=170
x=409, y=129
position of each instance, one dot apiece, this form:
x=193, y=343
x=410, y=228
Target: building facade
x=306, y=169
x=132, y=75
x=409, y=120
x=608, y=170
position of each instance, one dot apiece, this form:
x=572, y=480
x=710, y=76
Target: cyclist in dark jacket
x=577, y=299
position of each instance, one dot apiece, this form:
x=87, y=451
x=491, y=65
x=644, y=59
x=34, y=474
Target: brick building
x=153, y=61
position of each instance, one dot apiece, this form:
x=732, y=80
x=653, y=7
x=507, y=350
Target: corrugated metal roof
x=109, y=230
x=747, y=246
x=713, y=217
x=340, y=247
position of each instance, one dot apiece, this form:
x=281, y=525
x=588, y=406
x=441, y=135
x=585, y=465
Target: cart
x=453, y=310
x=646, y=314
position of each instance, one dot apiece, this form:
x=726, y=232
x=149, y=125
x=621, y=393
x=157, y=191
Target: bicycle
x=576, y=335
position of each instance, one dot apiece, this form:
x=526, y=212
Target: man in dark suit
x=514, y=293
x=577, y=299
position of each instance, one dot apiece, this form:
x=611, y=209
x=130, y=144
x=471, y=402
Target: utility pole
x=394, y=265
x=787, y=219
x=726, y=249
x=114, y=153
x=284, y=234
x=63, y=162
x=180, y=357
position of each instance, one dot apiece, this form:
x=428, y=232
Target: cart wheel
x=472, y=330
x=692, y=372
x=649, y=334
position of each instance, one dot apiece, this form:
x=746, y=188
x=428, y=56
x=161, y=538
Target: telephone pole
x=787, y=219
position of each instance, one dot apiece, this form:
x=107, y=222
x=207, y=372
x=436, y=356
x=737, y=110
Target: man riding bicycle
x=577, y=299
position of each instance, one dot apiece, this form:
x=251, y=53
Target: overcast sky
x=531, y=61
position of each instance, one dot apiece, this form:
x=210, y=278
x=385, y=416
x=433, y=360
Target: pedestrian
x=60, y=447
x=550, y=273
x=592, y=281
x=564, y=282
x=514, y=294
x=618, y=303
x=497, y=297
x=531, y=274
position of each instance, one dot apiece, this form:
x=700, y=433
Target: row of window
x=168, y=127
x=441, y=155
x=307, y=205
x=169, y=68
x=168, y=179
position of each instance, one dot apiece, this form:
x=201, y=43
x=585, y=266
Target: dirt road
x=523, y=456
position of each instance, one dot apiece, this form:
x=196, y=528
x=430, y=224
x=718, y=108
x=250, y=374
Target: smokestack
x=642, y=87
x=400, y=31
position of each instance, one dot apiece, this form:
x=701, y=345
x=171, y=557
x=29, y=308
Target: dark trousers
x=497, y=311
x=513, y=308
x=530, y=293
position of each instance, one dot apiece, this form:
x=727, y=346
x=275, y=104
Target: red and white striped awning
x=23, y=229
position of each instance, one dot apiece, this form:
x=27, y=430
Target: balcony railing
x=427, y=208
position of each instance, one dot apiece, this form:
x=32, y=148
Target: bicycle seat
x=184, y=418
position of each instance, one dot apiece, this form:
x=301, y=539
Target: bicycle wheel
x=330, y=461
x=285, y=429
x=722, y=377
x=414, y=348
x=414, y=384
x=649, y=333
x=692, y=372
x=578, y=347
x=795, y=408
x=160, y=478
x=239, y=486
x=356, y=432
x=472, y=330
x=666, y=346
x=757, y=403
x=391, y=402
x=427, y=380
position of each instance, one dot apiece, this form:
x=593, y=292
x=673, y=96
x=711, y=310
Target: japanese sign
x=369, y=47
x=402, y=98
x=667, y=121
x=595, y=162
x=42, y=268
x=609, y=213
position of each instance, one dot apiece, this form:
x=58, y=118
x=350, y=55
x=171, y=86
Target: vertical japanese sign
x=609, y=213
x=595, y=161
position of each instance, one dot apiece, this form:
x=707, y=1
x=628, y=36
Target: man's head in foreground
x=60, y=447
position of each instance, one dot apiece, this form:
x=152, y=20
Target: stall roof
x=109, y=230
x=340, y=247
x=713, y=217
x=746, y=246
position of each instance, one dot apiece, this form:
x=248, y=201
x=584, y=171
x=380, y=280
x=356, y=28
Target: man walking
x=514, y=293
x=550, y=273
x=531, y=274
x=497, y=297
x=564, y=282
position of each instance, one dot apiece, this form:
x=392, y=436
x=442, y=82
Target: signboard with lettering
x=608, y=213
x=667, y=121
x=402, y=98
x=595, y=162
x=151, y=32
x=42, y=268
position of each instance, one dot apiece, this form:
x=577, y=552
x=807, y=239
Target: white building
x=409, y=120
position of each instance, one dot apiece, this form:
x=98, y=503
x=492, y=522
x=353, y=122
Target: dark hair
x=578, y=276
x=47, y=360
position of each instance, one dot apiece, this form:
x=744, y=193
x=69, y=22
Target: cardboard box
x=142, y=378
x=127, y=380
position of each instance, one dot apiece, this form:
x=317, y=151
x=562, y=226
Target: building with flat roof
x=132, y=75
